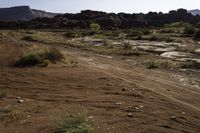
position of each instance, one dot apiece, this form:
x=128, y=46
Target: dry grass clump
x=39, y=56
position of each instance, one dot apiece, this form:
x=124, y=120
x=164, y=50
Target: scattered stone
x=118, y=103
x=20, y=101
x=110, y=84
x=91, y=117
x=130, y=115
x=124, y=89
x=19, y=97
x=173, y=117
x=28, y=116
x=183, y=113
x=197, y=51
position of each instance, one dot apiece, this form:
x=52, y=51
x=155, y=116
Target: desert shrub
x=28, y=38
x=129, y=53
x=153, y=38
x=2, y=95
x=72, y=34
x=127, y=45
x=169, y=40
x=133, y=34
x=161, y=64
x=6, y=109
x=167, y=30
x=77, y=123
x=139, y=38
x=95, y=27
x=39, y=57
x=189, y=31
x=122, y=36
x=177, y=25
x=190, y=65
x=197, y=34
x=153, y=64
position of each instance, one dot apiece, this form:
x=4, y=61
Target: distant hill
x=24, y=13
x=194, y=12
x=86, y=17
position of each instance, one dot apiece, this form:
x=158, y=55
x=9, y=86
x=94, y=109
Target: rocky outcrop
x=23, y=13
x=195, y=12
x=86, y=17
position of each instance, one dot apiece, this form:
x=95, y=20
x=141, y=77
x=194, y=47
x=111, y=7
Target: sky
x=127, y=6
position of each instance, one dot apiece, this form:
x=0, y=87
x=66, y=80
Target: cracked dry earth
x=117, y=97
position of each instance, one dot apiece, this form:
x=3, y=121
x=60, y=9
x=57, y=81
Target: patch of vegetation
x=177, y=24
x=40, y=57
x=2, y=95
x=6, y=109
x=95, y=27
x=189, y=31
x=128, y=52
x=76, y=123
x=190, y=65
x=28, y=38
x=161, y=64
x=153, y=64
x=127, y=45
x=72, y=34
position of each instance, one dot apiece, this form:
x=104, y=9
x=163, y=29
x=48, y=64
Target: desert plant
x=76, y=123
x=6, y=109
x=127, y=45
x=95, y=27
x=153, y=64
x=2, y=95
x=40, y=57
x=72, y=34
x=28, y=38
x=191, y=65
x=189, y=31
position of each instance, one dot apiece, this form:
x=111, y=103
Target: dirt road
x=118, y=97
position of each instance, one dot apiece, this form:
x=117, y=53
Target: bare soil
x=117, y=97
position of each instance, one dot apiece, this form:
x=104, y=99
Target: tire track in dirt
x=114, y=72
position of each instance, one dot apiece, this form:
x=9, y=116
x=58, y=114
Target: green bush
x=40, y=57
x=153, y=64
x=77, y=123
x=189, y=31
x=95, y=27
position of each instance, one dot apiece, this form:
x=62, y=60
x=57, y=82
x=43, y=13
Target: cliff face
x=40, y=19
x=23, y=13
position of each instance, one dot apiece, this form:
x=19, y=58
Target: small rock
x=19, y=98
x=118, y=103
x=141, y=106
x=124, y=89
x=173, y=117
x=91, y=117
x=183, y=113
x=110, y=84
x=28, y=116
x=20, y=101
x=130, y=115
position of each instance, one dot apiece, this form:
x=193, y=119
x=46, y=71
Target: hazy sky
x=129, y=6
